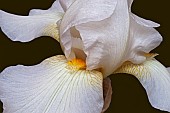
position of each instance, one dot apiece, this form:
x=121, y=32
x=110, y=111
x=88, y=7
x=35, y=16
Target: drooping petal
x=55, y=8
x=103, y=27
x=155, y=78
x=27, y=28
x=142, y=39
x=51, y=87
x=107, y=87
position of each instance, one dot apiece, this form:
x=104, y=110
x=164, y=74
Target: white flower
x=98, y=37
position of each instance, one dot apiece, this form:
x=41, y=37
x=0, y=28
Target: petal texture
x=27, y=28
x=155, y=78
x=103, y=28
x=51, y=87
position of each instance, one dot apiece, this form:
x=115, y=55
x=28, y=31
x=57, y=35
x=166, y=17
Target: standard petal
x=142, y=39
x=104, y=32
x=83, y=11
x=27, y=28
x=56, y=7
x=51, y=87
x=155, y=79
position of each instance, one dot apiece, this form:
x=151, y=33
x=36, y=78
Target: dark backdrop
x=128, y=95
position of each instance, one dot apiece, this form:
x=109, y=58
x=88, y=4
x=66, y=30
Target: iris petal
x=27, y=28
x=142, y=39
x=51, y=87
x=155, y=78
x=56, y=7
x=103, y=27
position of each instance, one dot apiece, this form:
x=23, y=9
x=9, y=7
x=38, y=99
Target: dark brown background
x=128, y=95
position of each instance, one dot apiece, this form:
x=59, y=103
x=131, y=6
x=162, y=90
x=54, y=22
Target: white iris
x=99, y=38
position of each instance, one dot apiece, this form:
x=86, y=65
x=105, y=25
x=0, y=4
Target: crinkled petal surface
x=26, y=28
x=103, y=27
x=155, y=78
x=51, y=87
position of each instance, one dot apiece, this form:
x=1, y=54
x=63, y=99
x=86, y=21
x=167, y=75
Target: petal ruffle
x=155, y=78
x=51, y=87
x=103, y=30
x=27, y=28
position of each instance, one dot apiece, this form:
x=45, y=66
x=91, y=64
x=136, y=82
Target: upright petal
x=103, y=27
x=155, y=78
x=51, y=87
x=142, y=39
x=56, y=7
x=27, y=28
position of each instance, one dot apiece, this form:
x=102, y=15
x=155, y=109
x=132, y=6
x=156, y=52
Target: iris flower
x=98, y=38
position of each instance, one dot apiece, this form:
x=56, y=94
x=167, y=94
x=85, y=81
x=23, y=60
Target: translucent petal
x=51, y=87
x=27, y=28
x=104, y=32
x=155, y=79
x=56, y=7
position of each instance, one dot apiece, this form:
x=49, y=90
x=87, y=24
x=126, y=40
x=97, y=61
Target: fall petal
x=155, y=78
x=51, y=87
x=55, y=8
x=27, y=28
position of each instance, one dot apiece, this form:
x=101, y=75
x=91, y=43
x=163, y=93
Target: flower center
x=77, y=64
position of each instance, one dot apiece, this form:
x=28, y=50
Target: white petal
x=83, y=11
x=103, y=30
x=56, y=7
x=142, y=39
x=50, y=87
x=168, y=69
x=155, y=79
x=27, y=28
